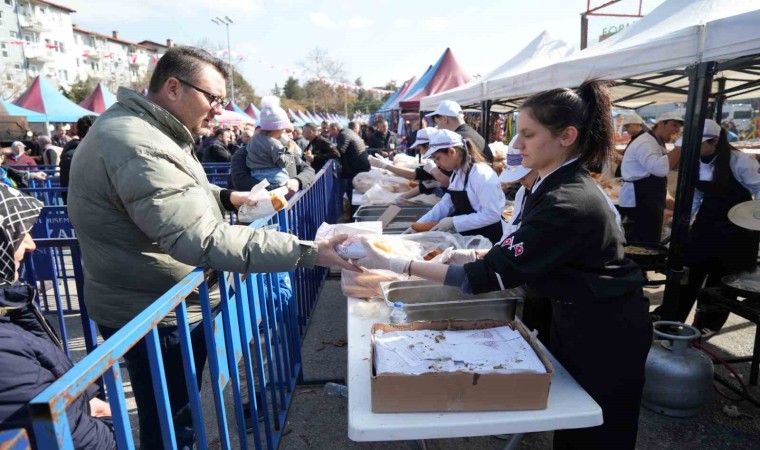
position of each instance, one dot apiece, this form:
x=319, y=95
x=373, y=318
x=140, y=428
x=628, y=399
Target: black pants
x=709, y=273
x=138, y=367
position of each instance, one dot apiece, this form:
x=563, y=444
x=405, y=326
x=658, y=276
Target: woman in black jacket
x=31, y=355
x=567, y=247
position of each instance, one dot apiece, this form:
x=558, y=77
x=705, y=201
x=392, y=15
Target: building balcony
x=39, y=54
x=30, y=23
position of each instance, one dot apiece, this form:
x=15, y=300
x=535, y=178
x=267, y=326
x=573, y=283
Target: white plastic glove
x=409, y=230
x=460, y=257
x=377, y=259
x=445, y=224
x=377, y=162
x=429, y=166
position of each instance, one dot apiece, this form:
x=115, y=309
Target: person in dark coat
x=216, y=150
x=354, y=158
x=31, y=355
x=83, y=127
x=319, y=150
x=567, y=246
x=382, y=140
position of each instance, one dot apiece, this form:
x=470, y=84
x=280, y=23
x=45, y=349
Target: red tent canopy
x=251, y=112
x=446, y=74
x=99, y=100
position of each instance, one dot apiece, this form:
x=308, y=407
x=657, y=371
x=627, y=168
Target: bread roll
x=383, y=247
x=423, y=226
x=278, y=201
x=433, y=254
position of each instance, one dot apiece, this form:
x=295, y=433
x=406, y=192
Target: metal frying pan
x=745, y=284
x=645, y=253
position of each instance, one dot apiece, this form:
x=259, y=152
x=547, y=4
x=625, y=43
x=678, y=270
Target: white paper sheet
x=493, y=350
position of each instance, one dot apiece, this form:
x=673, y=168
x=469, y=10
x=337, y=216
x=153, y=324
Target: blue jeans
x=138, y=367
x=274, y=175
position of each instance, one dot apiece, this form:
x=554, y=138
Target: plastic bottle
x=398, y=315
x=335, y=389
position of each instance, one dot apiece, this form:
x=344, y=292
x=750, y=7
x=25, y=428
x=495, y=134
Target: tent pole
x=719, y=100
x=700, y=83
x=487, y=122
x=584, y=31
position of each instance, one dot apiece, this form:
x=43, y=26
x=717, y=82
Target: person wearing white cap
x=715, y=247
x=474, y=201
x=645, y=169
x=427, y=172
x=633, y=124
x=515, y=172
x=449, y=116
x=267, y=156
x=18, y=156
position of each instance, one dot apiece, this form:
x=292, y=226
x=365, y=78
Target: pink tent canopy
x=250, y=111
x=444, y=75
x=232, y=118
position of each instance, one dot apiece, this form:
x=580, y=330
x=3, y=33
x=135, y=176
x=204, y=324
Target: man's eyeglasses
x=214, y=100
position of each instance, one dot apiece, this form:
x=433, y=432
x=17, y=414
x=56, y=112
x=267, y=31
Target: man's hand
x=328, y=257
x=240, y=198
x=99, y=408
x=293, y=186
x=39, y=176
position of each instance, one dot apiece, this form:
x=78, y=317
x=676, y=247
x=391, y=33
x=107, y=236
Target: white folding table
x=569, y=405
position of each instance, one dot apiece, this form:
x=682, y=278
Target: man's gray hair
x=336, y=125
x=184, y=63
x=44, y=140
x=310, y=126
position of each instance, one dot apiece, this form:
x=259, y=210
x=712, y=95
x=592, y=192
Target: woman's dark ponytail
x=588, y=109
x=595, y=139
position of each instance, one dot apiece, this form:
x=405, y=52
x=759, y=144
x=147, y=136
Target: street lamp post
x=226, y=21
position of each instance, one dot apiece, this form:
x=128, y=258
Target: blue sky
x=380, y=40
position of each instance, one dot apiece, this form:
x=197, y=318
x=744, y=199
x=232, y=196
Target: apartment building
x=38, y=37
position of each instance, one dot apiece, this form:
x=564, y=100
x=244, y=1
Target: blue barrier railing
x=14, y=440
x=257, y=327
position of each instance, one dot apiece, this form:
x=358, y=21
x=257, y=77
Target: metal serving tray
x=424, y=300
x=407, y=213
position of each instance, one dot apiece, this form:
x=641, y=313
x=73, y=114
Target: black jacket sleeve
x=305, y=174
x=556, y=235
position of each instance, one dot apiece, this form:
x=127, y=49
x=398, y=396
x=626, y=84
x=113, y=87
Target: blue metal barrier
x=218, y=173
x=14, y=440
x=50, y=196
x=258, y=324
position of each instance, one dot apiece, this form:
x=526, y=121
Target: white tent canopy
x=541, y=51
x=648, y=58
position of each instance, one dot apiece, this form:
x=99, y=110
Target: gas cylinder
x=679, y=378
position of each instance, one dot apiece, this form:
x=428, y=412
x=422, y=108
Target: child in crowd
x=267, y=157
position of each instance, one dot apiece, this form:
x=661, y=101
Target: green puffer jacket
x=146, y=216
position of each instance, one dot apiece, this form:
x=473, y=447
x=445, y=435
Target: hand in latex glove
x=409, y=230
x=378, y=259
x=460, y=257
x=429, y=166
x=328, y=257
x=445, y=224
x=378, y=162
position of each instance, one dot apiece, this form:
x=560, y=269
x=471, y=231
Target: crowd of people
x=146, y=216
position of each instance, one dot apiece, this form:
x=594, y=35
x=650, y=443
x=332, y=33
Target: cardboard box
x=459, y=391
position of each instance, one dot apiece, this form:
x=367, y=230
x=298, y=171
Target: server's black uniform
x=570, y=249
x=647, y=217
x=715, y=247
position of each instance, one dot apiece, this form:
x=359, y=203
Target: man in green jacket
x=146, y=216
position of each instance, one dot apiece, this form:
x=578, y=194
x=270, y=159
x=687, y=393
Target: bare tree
x=319, y=65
